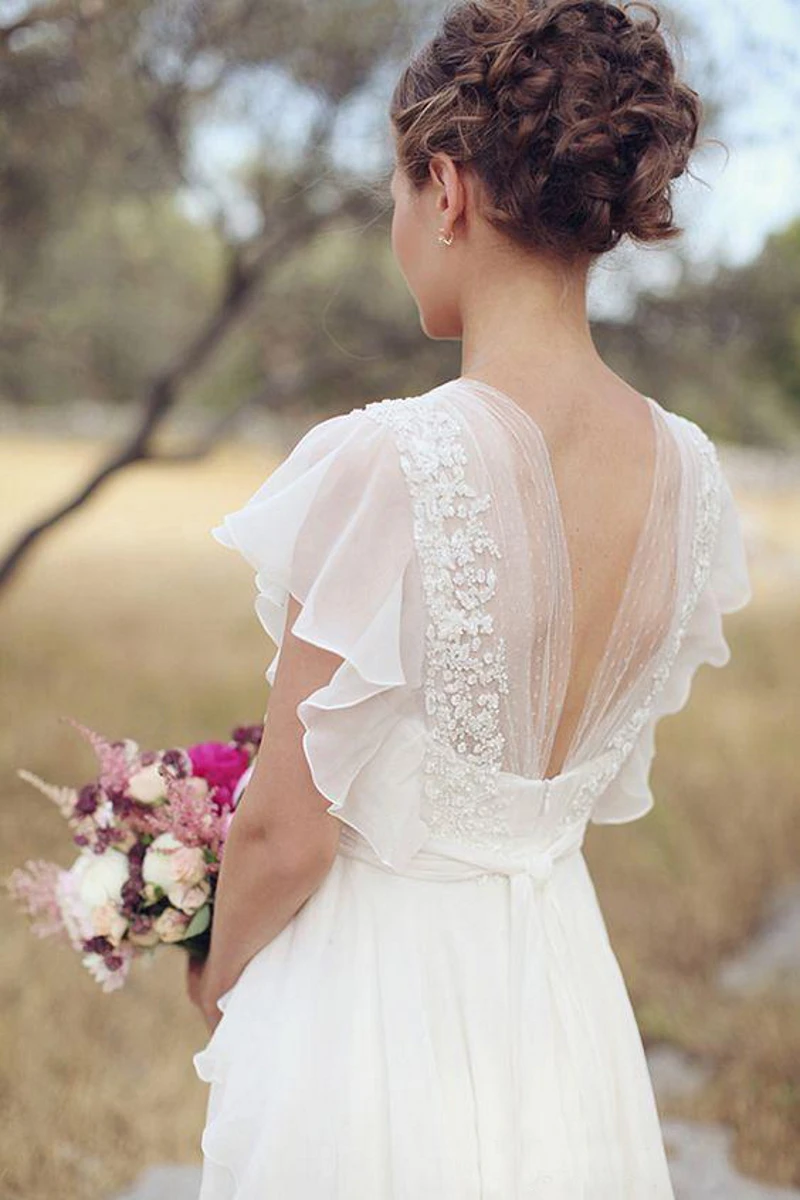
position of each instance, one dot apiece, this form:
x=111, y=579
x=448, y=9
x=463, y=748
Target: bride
x=484, y=598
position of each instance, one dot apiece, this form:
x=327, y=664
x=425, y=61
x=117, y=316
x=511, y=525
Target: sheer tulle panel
x=647, y=610
x=532, y=605
x=548, y=646
x=685, y=562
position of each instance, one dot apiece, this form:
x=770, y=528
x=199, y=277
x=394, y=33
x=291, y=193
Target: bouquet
x=151, y=830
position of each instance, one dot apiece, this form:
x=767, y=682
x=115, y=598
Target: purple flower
x=88, y=799
x=105, y=838
x=97, y=945
x=177, y=761
x=248, y=734
x=130, y=893
x=120, y=803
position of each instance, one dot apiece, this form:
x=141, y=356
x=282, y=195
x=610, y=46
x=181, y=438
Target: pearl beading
x=465, y=671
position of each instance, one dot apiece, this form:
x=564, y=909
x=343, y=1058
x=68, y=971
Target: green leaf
x=199, y=922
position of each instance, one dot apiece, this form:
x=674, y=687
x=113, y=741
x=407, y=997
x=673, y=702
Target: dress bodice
x=423, y=537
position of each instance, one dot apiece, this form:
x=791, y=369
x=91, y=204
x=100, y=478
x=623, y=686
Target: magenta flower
x=221, y=765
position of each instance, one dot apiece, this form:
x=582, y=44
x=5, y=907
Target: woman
x=484, y=598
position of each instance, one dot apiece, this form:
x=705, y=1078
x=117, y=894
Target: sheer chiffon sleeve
x=332, y=526
x=727, y=589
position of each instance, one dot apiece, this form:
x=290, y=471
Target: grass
x=132, y=619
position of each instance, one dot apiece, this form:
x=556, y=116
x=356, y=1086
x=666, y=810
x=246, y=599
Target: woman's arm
x=282, y=840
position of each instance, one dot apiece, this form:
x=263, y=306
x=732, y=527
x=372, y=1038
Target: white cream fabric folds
x=445, y=1017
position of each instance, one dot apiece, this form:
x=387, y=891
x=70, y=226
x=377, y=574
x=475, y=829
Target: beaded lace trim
x=465, y=670
x=709, y=507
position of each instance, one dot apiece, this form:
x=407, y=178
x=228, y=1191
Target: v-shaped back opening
x=627, y=649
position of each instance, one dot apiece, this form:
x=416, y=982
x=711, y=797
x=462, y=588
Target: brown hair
x=569, y=112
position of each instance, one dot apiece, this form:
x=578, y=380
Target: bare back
x=588, y=515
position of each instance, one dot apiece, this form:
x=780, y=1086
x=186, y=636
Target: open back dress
x=445, y=1017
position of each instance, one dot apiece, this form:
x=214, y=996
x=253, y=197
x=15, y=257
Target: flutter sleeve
x=727, y=589
x=332, y=526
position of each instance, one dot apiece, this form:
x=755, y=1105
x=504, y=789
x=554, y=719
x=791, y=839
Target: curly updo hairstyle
x=570, y=112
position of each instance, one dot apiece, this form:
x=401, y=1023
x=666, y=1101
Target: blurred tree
x=138, y=271
x=726, y=349
x=100, y=106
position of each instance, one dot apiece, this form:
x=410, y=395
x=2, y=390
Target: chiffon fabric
x=445, y=1016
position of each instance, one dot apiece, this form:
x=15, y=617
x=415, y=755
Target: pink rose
x=188, y=865
x=189, y=897
x=170, y=925
x=108, y=922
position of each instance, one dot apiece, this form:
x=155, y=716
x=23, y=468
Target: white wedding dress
x=445, y=1018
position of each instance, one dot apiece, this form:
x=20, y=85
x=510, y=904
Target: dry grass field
x=132, y=619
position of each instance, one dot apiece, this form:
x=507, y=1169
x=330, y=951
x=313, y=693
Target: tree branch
x=246, y=268
x=218, y=429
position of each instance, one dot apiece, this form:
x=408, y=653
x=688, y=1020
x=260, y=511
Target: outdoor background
x=195, y=267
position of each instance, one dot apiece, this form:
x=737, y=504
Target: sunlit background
x=196, y=267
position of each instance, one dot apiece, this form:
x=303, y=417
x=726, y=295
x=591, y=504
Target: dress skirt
x=433, y=1038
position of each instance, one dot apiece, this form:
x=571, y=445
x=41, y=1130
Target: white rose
x=100, y=877
x=158, y=866
x=110, y=923
x=76, y=916
x=171, y=925
x=147, y=785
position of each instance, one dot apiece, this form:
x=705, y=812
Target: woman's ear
x=449, y=188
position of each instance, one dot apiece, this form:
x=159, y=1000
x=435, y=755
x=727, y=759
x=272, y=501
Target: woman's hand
x=196, y=983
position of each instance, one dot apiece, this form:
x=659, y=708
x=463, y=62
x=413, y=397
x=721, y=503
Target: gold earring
x=446, y=241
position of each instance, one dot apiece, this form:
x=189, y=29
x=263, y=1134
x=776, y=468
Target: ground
x=134, y=620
